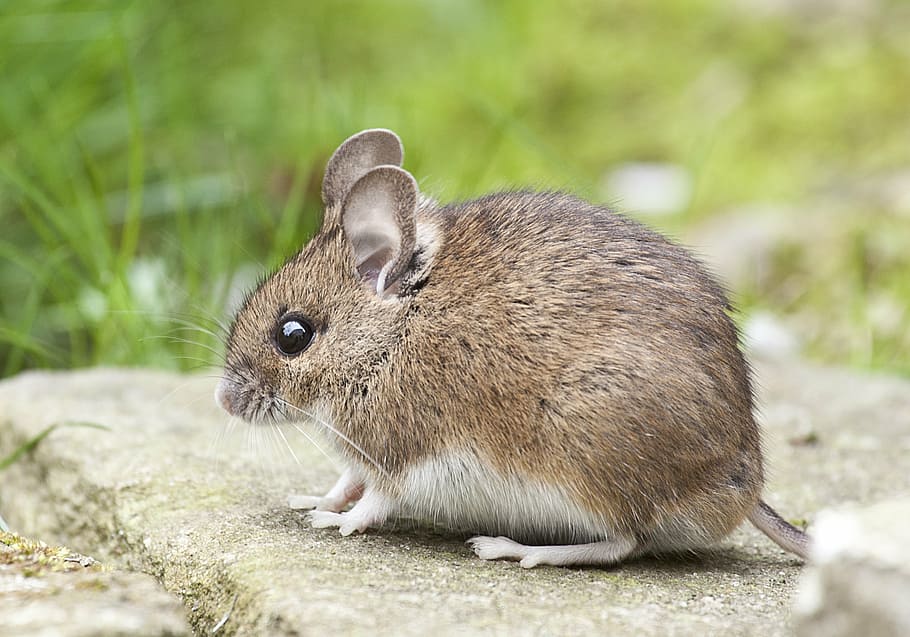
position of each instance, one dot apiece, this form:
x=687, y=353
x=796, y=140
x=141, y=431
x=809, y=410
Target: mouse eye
x=294, y=334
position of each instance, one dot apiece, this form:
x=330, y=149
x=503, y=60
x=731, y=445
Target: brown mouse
x=526, y=366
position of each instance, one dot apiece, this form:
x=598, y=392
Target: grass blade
x=29, y=445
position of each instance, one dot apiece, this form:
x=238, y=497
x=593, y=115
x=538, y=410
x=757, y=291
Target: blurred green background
x=157, y=156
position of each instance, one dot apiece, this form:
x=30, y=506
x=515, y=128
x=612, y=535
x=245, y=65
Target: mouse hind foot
x=607, y=552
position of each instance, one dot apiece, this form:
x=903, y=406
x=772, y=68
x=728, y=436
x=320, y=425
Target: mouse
x=548, y=376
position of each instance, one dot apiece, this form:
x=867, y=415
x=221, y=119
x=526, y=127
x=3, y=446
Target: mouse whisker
x=174, y=391
x=335, y=431
x=264, y=451
x=200, y=316
x=184, y=318
x=217, y=439
x=204, y=314
x=312, y=441
x=288, y=445
x=203, y=362
x=175, y=339
x=195, y=328
x=249, y=441
x=273, y=447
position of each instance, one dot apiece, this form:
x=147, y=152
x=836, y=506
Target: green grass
x=151, y=150
x=29, y=445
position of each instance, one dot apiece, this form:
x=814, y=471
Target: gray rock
x=101, y=604
x=175, y=491
x=859, y=583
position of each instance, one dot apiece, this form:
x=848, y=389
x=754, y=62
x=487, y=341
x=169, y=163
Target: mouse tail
x=784, y=534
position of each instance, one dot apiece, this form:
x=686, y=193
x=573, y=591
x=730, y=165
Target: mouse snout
x=223, y=396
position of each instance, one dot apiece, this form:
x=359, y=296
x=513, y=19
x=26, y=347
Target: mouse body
x=541, y=371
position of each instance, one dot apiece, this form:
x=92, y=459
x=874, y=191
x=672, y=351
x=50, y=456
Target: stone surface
x=50, y=591
x=173, y=489
x=105, y=604
x=859, y=582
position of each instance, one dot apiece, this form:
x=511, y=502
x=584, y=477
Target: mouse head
x=320, y=328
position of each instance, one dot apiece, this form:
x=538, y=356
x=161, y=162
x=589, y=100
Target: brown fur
x=562, y=342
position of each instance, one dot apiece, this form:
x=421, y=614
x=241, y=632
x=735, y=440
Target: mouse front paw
x=370, y=511
x=325, y=519
x=344, y=522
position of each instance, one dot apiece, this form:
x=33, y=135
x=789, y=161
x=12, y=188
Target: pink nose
x=223, y=397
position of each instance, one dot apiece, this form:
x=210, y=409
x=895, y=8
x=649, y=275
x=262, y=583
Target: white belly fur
x=459, y=491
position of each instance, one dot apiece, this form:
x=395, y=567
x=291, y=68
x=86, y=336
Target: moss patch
x=33, y=558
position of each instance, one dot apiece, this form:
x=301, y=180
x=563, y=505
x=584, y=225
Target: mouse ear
x=356, y=156
x=378, y=220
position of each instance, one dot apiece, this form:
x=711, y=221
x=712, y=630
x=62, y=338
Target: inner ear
x=370, y=269
x=378, y=220
x=372, y=252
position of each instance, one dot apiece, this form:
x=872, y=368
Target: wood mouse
x=526, y=366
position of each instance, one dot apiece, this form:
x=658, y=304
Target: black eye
x=294, y=335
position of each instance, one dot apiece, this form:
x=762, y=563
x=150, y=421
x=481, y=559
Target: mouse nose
x=223, y=397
